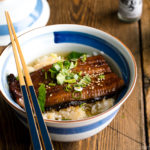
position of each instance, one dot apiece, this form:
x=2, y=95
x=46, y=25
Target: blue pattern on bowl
x=81, y=129
x=25, y=22
x=76, y=130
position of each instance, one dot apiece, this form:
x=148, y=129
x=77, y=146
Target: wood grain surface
x=145, y=38
x=128, y=130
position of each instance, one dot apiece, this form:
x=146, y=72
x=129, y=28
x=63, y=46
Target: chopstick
x=38, y=130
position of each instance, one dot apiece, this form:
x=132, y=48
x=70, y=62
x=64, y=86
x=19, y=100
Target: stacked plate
x=25, y=14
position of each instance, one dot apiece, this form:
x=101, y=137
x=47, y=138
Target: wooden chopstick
x=31, y=121
x=38, y=130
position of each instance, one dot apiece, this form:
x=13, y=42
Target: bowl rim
x=121, y=101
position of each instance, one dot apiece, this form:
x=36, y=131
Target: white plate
x=25, y=15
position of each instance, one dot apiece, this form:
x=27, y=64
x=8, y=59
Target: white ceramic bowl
x=60, y=38
x=25, y=15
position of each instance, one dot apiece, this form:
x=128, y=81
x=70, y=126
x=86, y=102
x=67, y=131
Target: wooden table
x=130, y=130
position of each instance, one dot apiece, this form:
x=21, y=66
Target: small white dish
x=25, y=14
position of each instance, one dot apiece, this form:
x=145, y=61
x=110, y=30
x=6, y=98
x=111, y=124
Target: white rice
x=72, y=112
x=79, y=112
x=44, y=61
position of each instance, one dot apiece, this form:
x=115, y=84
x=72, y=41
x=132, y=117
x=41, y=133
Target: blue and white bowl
x=25, y=15
x=65, y=38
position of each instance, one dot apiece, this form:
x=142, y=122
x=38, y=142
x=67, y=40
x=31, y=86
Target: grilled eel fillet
x=57, y=97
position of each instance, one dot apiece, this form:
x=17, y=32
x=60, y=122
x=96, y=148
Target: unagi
x=103, y=84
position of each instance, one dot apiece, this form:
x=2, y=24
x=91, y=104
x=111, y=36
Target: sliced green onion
x=79, y=88
x=76, y=76
x=85, y=80
x=61, y=71
x=74, y=95
x=83, y=57
x=68, y=88
x=70, y=81
x=72, y=65
x=45, y=75
x=80, y=73
x=60, y=78
x=76, y=85
x=68, y=77
x=60, y=63
x=65, y=71
x=53, y=73
x=67, y=64
x=83, y=84
x=52, y=84
x=74, y=59
x=76, y=63
x=56, y=67
x=102, y=77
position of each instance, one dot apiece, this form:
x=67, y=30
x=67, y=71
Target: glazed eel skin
x=57, y=97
